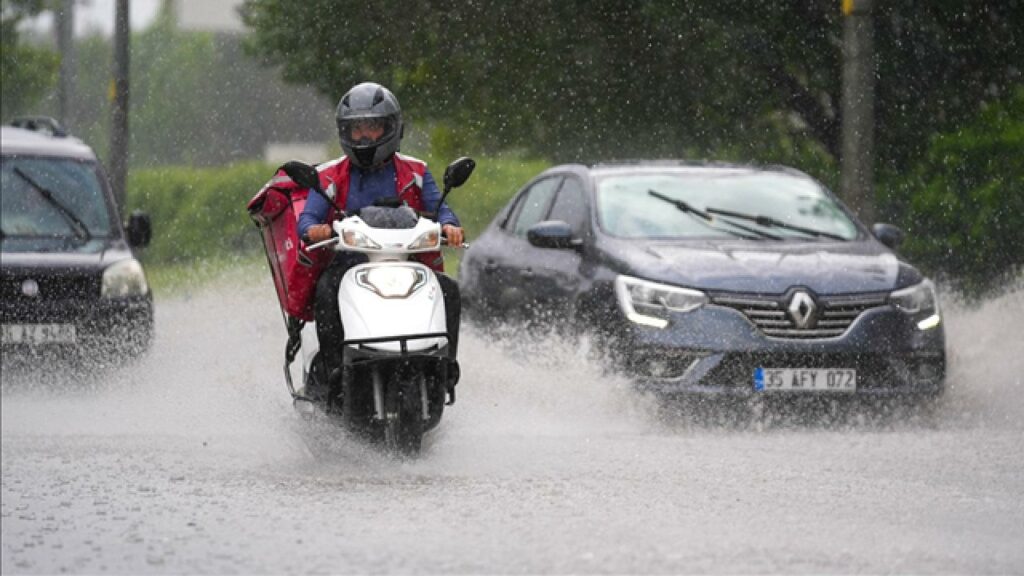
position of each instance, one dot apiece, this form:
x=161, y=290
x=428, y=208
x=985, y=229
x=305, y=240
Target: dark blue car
x=712, y=279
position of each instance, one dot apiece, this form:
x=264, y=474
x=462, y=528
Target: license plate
x=805, y=380
x=39, y=334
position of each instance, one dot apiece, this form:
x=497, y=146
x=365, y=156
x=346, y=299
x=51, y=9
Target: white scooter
x=393, y=383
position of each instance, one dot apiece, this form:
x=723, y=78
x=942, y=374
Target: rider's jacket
x=277, y=207
x=411, y=181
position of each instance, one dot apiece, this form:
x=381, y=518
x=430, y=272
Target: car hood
x=771, y=268
x=95, y=255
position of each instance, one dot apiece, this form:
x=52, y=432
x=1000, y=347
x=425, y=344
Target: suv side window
x=570, y=206
x=533, y=206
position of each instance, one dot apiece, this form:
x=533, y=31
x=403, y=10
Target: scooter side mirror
x=302, y=174
x=458, y=172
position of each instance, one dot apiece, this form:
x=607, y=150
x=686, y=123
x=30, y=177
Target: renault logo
x=30, y=288
x=801, y=309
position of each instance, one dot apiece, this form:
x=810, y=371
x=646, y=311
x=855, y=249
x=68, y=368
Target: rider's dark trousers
x=328, y=320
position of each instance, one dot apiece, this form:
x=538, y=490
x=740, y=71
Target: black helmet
x=369, y=105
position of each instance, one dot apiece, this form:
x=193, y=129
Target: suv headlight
x=427, y=240
x=357, y=239
x=124, y=278
x=649, y=303
x=920, y=302
x=391, y=281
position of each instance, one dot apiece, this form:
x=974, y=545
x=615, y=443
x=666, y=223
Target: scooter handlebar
x=323, y=244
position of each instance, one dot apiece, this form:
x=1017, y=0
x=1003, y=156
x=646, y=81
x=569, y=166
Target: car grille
x=834, y=314
x=50, y=287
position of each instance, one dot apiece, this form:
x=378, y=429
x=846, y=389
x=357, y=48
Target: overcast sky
x=93, y=15
x=98, y=15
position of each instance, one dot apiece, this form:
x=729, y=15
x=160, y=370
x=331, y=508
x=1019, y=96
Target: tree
x=616, y=78
x=963, y=206
x=27, y=73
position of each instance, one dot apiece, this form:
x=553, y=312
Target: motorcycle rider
x=372, y=172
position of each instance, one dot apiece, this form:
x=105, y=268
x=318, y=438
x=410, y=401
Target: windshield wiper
x=769, y=222
x=76, y=224
x=707, y=220
x=683, y=206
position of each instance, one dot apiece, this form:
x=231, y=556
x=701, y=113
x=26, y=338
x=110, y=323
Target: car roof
x=18, y=141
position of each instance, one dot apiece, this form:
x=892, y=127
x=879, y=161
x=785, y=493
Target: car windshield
x=52, y=198
x=628, y=208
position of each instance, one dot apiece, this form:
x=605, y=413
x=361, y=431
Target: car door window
x=533, y=207
x=570, y=205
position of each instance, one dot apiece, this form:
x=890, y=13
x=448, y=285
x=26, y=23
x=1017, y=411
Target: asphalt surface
x=193, y=461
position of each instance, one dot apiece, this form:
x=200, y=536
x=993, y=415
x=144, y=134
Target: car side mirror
x=302, y=174
x=458, y=172
x=139, y=229
x=552, y=234
x=888, y=234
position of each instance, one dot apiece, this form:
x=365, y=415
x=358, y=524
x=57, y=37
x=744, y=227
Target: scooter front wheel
x=403, y=413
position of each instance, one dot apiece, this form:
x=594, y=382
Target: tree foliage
x=963, y=206
x=26, y=72
x=586, y=79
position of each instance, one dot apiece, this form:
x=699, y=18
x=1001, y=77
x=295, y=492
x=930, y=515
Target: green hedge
x=962, y=207
x=197, y=212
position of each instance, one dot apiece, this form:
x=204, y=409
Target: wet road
x=193, y=461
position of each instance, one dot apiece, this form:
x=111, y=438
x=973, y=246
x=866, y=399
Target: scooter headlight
x=124, y=278
x=920, y=302
x=391, y=281
x=357, y=239
x=648, y=303
x=428, y=240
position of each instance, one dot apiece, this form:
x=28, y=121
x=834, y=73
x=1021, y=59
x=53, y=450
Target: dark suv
x=68, y=278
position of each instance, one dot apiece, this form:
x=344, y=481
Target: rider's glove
x=453, y=234
x=318, y=233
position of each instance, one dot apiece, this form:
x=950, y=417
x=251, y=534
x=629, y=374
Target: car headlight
x=357, y=239
x=391, y=281
x=648, y=303
x=920, y=302
x=124, y=278
x=427, y=240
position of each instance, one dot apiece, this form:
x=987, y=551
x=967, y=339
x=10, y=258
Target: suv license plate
x=805, y=380
x=39, y=334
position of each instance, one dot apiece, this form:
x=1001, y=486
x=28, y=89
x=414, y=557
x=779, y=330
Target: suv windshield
x=77, y=208
x=626, y=207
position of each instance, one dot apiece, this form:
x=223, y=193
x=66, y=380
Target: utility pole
x=858, y=102
x=66, y=47
x=119, y=113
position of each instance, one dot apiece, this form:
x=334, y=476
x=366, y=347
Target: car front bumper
x=121, y=326
x=715, y=350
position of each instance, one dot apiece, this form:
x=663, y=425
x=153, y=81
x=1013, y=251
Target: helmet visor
x=360, y=132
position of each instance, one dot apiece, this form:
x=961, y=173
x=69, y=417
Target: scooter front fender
x=366, y=313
